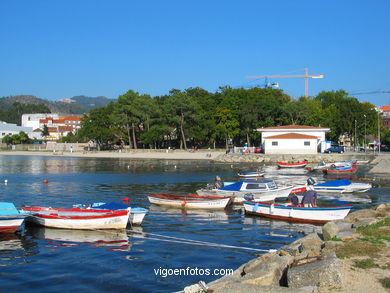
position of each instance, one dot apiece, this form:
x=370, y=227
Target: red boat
x=343, y=170
x=287, y=164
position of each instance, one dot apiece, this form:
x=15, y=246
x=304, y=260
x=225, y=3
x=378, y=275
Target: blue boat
x=10, y=217
x=342, y=186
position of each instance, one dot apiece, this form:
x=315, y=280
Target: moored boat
x=137, y=214
x=287, y=164
x=318, y=215
x=341, y=170
x=251, y=174
x=77, y=218
x=323, y=165
x=10, y=217
x=260, y=190
x=335, y=186
x=190, y=201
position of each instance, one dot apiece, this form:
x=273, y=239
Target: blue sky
x=57, y=49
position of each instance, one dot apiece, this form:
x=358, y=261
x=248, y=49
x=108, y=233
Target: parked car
x=259, y=150
x=335, y=149
x=385, y=148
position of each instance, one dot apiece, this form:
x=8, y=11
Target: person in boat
x=309, y=199
x=259, y=171
x=218, y=183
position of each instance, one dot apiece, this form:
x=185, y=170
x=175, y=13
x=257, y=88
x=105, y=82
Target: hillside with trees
x=12, y=108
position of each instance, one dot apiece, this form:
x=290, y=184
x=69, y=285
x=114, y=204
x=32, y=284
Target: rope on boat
x=195, y=242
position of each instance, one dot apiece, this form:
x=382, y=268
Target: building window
x=306, y=143
x=275, y=143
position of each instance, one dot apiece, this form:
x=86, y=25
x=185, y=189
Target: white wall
x=32, y=120
x=318, y=133
x=290, y=146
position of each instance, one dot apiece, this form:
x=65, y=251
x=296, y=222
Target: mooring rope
x=172, y=239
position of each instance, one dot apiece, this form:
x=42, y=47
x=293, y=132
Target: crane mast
x=306, y=76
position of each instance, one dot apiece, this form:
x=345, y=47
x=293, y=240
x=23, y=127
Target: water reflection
x=15, y=249
x=113, y=239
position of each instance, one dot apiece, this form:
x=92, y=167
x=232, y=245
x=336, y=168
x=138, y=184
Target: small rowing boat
x=251, y=174
x=189, y=201
x=341, y=170
x=335, y=186
x=317, y=215
x=77, y=218
x=10, y=217
x=287, y=164
x=137, y=214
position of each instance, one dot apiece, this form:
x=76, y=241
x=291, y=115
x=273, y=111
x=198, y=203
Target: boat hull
x=78, y=218
x=292, y=165
x=251, y=174
x=268, y=195
x=318, y=215
x=9, y=224
x=190, y=202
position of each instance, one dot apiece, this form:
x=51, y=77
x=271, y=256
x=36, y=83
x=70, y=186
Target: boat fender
x=271, y=209
x=255, y=207
x=248, y=196
x=310, y=181
x=183, y=203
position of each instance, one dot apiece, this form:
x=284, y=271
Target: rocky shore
x=351, y=255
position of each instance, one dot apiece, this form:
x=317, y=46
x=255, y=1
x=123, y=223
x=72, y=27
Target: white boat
x=291, y=213
x=10, y=217
x=322, y=165
x=258, y=190
x=336, y=186
x=342, y=186
x=137, y=214
x=190, y=201
x=77, y=218
x=251, y=174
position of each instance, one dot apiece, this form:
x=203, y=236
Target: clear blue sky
x=57, y=49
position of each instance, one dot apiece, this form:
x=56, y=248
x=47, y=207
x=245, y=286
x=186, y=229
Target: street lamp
x=365, y=132
x=379, y=134
x=355, y=137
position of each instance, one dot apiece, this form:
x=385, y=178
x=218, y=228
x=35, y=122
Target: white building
x=32, y=120
x=11, y=129
x=293, y=139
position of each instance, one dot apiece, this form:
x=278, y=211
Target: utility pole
x=365, y=132
x=355, y=136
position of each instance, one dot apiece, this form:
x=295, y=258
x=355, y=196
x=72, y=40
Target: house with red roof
x=293, y=139
x=385, y=110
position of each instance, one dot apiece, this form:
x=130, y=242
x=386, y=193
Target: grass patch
x=360, y=248
x=366, y=264
x=386, y=267
x=376, y=233
x=385, y=282
x=335, y=239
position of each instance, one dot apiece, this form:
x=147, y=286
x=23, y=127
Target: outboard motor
x=248, y=196
x=310, y=181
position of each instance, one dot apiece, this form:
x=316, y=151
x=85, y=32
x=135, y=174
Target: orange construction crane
x=306, y=76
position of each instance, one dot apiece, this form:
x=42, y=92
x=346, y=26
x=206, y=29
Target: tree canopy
x=196, y=118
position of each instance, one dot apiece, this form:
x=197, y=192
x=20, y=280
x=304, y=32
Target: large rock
x=311, y=242
x=337, y=229
x=250, y=288
x=362, y=214
x=321, y=273
x=266, y=271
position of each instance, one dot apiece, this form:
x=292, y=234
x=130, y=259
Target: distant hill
x=75, y=105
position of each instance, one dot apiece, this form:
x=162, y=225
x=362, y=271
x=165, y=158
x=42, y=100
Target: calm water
x=49, y=260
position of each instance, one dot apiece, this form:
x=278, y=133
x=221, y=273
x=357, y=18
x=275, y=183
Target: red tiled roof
x=65, y=128
x=72, y=118
x=292, y=127
x=37, y=130
x=52, y=129
x=291, y=136
x=46, y=120
x=385, y=108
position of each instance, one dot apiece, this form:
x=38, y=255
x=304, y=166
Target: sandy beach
x=140, y=154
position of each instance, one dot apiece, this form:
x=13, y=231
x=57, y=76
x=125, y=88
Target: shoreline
x=331, y=261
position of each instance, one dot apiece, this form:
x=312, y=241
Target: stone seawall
x=312, y=158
